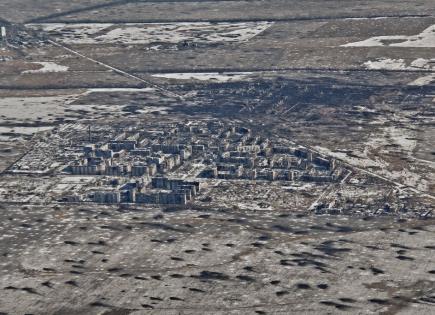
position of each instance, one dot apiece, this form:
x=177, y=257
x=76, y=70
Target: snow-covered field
x=419, y=64
x=360, y=161
x=146, y=33
x=24, y=130
x=23, y=108
x=45, y=109
x=32, y=107
x=400, y=64
x=372, y=156
x=425, y=39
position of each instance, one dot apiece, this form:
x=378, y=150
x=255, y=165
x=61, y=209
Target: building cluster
x=377, y=204
x=147, y=155
x=160, y=190
x=41, y=159
x=142, y=158
x=224, y=152
x=54, y=148
x=168, y=164
x=132, y=155
x=249, y=157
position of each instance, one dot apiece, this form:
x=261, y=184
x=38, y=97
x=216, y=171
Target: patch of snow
x=210, y=76
x=422, y=81
x=47, y=67
x=146, y=33
x=419, y=64
x=370, y=18
x=425, y=39
x=77, y=179
x=402, y=138
x=386, y=64
x=71, y=33
x=299, y=187
x=393, y=135
x=25, y=130
x=400, y=64
x=108, y=90
x=362, y=162
x=365, y=109
x=410, y=178
x=33, y=107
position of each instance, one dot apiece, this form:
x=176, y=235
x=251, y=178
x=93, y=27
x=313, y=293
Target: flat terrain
x=351, y=80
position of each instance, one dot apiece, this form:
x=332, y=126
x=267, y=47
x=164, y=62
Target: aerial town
x=137, y=165
x=217, y=157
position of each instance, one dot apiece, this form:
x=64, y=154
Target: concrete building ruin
x=160, y=163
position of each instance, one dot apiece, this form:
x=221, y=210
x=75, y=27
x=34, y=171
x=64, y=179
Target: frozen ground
x=376, y=155
x=147, y=33
x=28, y=115
x=353, y=79
x=30, y=108
x=425, y=39
x=400, y=64
x=420, y=64
x=206, y=262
